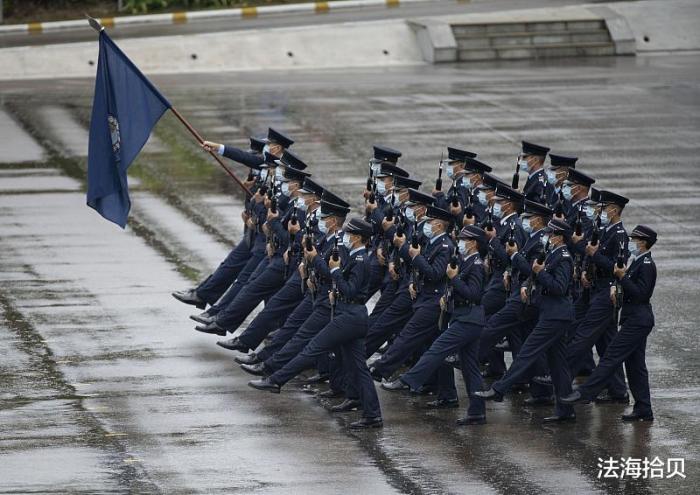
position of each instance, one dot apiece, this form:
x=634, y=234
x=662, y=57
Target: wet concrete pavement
x=106, y=388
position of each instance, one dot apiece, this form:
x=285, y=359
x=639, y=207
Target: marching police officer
x=553, y=279
x=463, y=302
x=637, y=284
x=347, y=328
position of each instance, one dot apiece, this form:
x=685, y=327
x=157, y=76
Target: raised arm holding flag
x=125, y=108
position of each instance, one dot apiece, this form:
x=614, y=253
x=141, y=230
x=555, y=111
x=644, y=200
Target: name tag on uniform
x=359, y=258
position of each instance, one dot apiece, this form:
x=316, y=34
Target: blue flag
x=125, y=109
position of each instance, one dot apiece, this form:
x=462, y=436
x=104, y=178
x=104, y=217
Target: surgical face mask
x=300, y=204
x=428, y=230
x=526, y=225
x=497, y=210
x=266, y=150
x=551, y=177
x=450, y=172
x=634, y=249
x=284, y=189
x=375, y=167
x=481, y=196
x=522, y=164
x=410, y=214
x=263, y=174
x=604, y=219
x=346, y=242
x=462, y=246
x=279, y=173
x=545, y=241
x=567, y=191
x=590, y=212
x=322, y=226
x=381, y=187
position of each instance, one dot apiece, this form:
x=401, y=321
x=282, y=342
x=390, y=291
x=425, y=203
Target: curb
x=317, y=7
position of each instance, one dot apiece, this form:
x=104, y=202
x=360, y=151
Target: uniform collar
x=356, y=250
x=435, y=239
x=471, y=256
x=610, y=227
x=535, y=173
x=536, y=232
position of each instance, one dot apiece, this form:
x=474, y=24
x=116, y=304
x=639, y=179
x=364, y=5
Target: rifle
x=559, y=205
x=617, y=303
x=595, y=238
x=509, y=268
x=335, y=256
x=531, y=286
x=311, y=222
x=516, y=177
x=449, y=303
x=400, y=231
x=454, y=197
x=438, y=181
x=469, y=208
x=578, y=230
x=293, y=220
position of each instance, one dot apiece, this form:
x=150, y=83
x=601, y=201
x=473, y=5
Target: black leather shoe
x=519, y=388
x=569, y=418
x=637, y=417
x=265, y=384
x=539, y=401
x=488, y=373
x=542, y=380
x=476, y=419
x=251, y=358
x=330, y=394
x=443, y=404
x=310, y=389
x=211, y=328
x=367, y=423
x=572, y=398
x=204, y=318
x=317, y=378
x=395, y=385
x=190, y=297
x=255, y=369
x=376, y=375
x=346, y=406
x=490, y=394
x=423, y=390
x=606, y=398
x=233, y=344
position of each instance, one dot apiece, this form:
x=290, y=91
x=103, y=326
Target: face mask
x=450, y=172
x=410, y=215
x=497, y=210
x=567, y=192
x=300, y=204
x=266, y=150
x=375, y=167
x=284, y=189
x=590, y=212
x=551, y=177
x=522, y=163
x=604, y=220
x=526, y=225
x=263, y=174
x=279, y=173
x=346, y=242
x=322, y=226
x=381, y=187
x=462, y=246
x=481, y=196
x=428, y=230
x=634, y=250
x=545, y=241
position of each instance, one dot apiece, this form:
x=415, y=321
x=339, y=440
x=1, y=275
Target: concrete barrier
x=379, y=43
x=318, y=7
